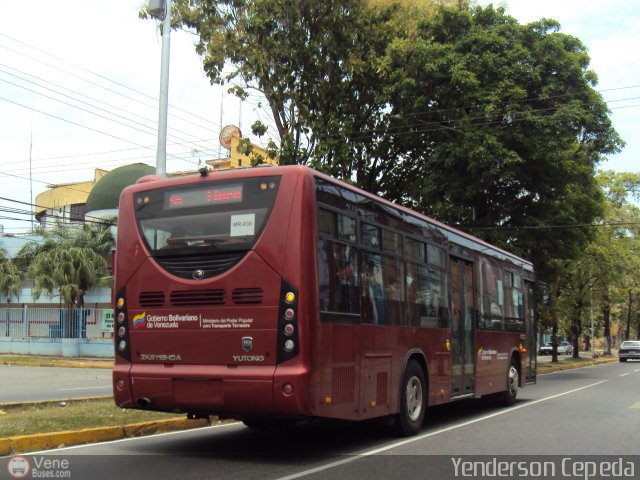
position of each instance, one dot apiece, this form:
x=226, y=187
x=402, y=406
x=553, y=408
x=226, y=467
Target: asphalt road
x=578, y=414
x=28, y=384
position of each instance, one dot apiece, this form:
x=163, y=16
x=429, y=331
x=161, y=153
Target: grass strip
x=74, y=415
x=53, y=361
x=566, y=363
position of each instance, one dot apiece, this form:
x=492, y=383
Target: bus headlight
x=289, y=345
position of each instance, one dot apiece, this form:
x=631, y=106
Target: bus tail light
x=287, y=323
x=121, y=327
x=287, y=389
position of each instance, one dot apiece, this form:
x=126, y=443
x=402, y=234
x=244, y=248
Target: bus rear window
x=208, y=217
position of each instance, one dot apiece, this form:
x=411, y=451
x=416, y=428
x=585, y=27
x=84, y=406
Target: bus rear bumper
x=206, y=389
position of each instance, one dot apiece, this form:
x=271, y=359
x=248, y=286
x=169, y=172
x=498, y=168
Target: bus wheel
x=413, y=400
x=508, y=397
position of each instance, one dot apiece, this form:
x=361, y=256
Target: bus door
x=462, y=328
x=531, y=332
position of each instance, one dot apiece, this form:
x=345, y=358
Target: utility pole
x=162, y=9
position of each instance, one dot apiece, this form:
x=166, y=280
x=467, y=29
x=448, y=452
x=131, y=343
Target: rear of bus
x=208, y=283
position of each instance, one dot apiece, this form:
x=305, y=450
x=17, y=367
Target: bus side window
x=493, y=296
x=426, y=295
x=373, y=289
x=338, y=277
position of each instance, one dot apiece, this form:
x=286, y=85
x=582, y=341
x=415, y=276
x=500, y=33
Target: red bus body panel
x=342, y=371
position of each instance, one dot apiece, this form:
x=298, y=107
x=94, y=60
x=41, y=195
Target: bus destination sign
x=202, y=196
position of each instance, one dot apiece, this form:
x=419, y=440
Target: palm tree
x=68, y=262
x=9, y=281
x=68, y=272
x=9, y=277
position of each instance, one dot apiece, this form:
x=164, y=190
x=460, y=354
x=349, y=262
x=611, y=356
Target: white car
x=630, y=349
x=564, y=348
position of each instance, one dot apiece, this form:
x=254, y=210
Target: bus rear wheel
x=413, y=400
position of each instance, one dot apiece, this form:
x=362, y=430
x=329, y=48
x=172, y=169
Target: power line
x=55, y=67
x=150, y=124
x=80, y=125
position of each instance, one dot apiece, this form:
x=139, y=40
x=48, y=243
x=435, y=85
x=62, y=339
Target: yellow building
x=236, y=158
x=65, y=202
x=69, y=202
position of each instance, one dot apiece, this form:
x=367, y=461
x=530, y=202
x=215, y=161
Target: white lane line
x=625, y=374
x=84, y=388
x=401, y=443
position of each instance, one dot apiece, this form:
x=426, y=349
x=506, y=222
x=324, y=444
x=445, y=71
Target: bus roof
x=452, y=234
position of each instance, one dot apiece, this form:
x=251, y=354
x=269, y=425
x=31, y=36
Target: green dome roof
x=106, y=193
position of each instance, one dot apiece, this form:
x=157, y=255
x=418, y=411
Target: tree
x=68, y=272
x=499, y=131
x=604, y=274
x=318, y=65
x=9, y=277
x=621, y=190
x=68, y=262
x=458, y=111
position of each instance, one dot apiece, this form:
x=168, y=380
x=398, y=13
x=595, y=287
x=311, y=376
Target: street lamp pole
x=159, y=7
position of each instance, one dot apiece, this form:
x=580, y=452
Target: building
x=65, y=202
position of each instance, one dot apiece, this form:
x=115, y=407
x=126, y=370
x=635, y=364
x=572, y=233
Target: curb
x=53, y=440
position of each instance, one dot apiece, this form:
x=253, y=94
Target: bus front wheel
x=413, y=400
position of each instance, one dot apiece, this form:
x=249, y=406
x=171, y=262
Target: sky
x=79, y=81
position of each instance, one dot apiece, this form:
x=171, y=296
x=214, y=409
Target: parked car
x=564, y=348
x=629, y=349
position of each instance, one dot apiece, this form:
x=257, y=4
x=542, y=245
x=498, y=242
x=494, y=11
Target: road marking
x=84, y=388
x=636, y=406
x=625, y=374
x=638, y=370
x=401, y=443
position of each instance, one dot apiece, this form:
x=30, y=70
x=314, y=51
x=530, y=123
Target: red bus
x=279, y=293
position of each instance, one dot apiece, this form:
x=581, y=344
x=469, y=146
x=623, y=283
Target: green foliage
x=499, y=130
x=9, y=277
x=69, y=261
x=605, y=276
x=455, y=110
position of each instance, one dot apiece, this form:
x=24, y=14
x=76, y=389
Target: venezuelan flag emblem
x=139, y=320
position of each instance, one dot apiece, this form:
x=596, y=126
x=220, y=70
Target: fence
x=30, y=322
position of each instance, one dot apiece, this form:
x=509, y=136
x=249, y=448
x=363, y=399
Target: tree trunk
x=576, y=325
x=554, y=336
x=627, y=329
x=606, y=318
